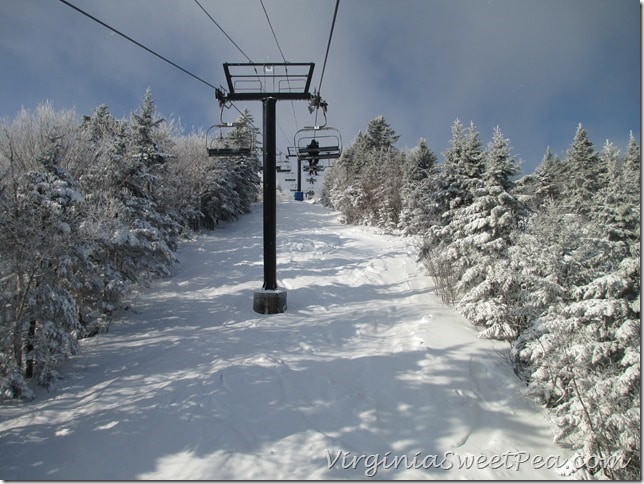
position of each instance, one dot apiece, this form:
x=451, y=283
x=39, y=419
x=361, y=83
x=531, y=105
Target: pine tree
x=500, y=165
x=388, y=190
x=481, y=235
x=585, y=173
x=633, y=162
x=247, y=169
x=419, y=210
x=380, y=135
x=460, y=181
x=40, y=259
x=151, y=232
x=549, y=177
x=366, y=181
x=584, y=354
x=463, y=167
x=612, y=159
x=87, y=209
x=582, y=350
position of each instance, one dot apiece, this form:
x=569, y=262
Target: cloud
x=534, y=68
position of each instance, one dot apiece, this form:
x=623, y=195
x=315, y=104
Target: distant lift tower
x=268, y=83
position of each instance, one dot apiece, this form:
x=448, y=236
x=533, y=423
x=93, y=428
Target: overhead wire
x=328, y=46
x=238, y=48
x=227, y=36
x=286, y=67
x=223, y=31
x=326, y=56
x=196, y=77
x=137, y=43
x=272, y=30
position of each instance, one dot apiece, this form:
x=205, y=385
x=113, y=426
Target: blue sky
x=534, y=68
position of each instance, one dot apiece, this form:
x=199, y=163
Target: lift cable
x=335, y=14
x=238, y=48
x=326, y=56
x=286, y=138
x=223, y=31
x=150, y=51
x=227, y=36
x=272, y=30
x=138, y=44
x=282, y=54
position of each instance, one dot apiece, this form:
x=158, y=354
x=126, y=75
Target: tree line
x=549, y=262
x=89, y=208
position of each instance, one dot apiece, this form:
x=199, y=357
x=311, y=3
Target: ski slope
x=367, y=374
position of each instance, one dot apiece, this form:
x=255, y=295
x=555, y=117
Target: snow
x=366, y=375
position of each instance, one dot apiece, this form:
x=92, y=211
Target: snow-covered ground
x=367, y=374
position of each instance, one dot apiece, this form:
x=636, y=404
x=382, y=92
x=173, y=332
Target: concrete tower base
x=269, y=301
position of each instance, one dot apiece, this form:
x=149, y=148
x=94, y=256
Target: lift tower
x=268, y=83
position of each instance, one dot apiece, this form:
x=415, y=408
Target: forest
x=549, y=262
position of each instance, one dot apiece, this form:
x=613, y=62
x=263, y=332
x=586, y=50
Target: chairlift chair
x=316, y=168
x=329, y=143
x=220, y=143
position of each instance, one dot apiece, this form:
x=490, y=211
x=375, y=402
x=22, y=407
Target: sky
x=536, y=69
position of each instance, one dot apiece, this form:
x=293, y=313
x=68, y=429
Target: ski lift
x=312, y=169
x=318, y=143
x=221, y=142
x=229, y=139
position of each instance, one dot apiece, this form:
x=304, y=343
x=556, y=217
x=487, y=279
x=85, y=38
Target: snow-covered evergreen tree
x=86, y=209
x=232, y=182
x=550, y=178
x=461, y=179
x=39, y=259
x=584, y=360
x=480, y=236
x=151, y=232
x=613, y=161
x=365, y=185
x=581, y=354
x=419, y=208
x=585, y=173
x=100, y=237
x=632, y=164
x=463, y=167
x=380, y=135
x=245, y=172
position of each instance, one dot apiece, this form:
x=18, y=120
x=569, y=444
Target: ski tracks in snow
x=365, y=361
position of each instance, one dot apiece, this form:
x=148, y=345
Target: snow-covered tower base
x=269, y=301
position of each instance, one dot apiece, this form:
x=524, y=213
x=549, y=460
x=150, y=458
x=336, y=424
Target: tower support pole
x=270, y=202
x=270, y=299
